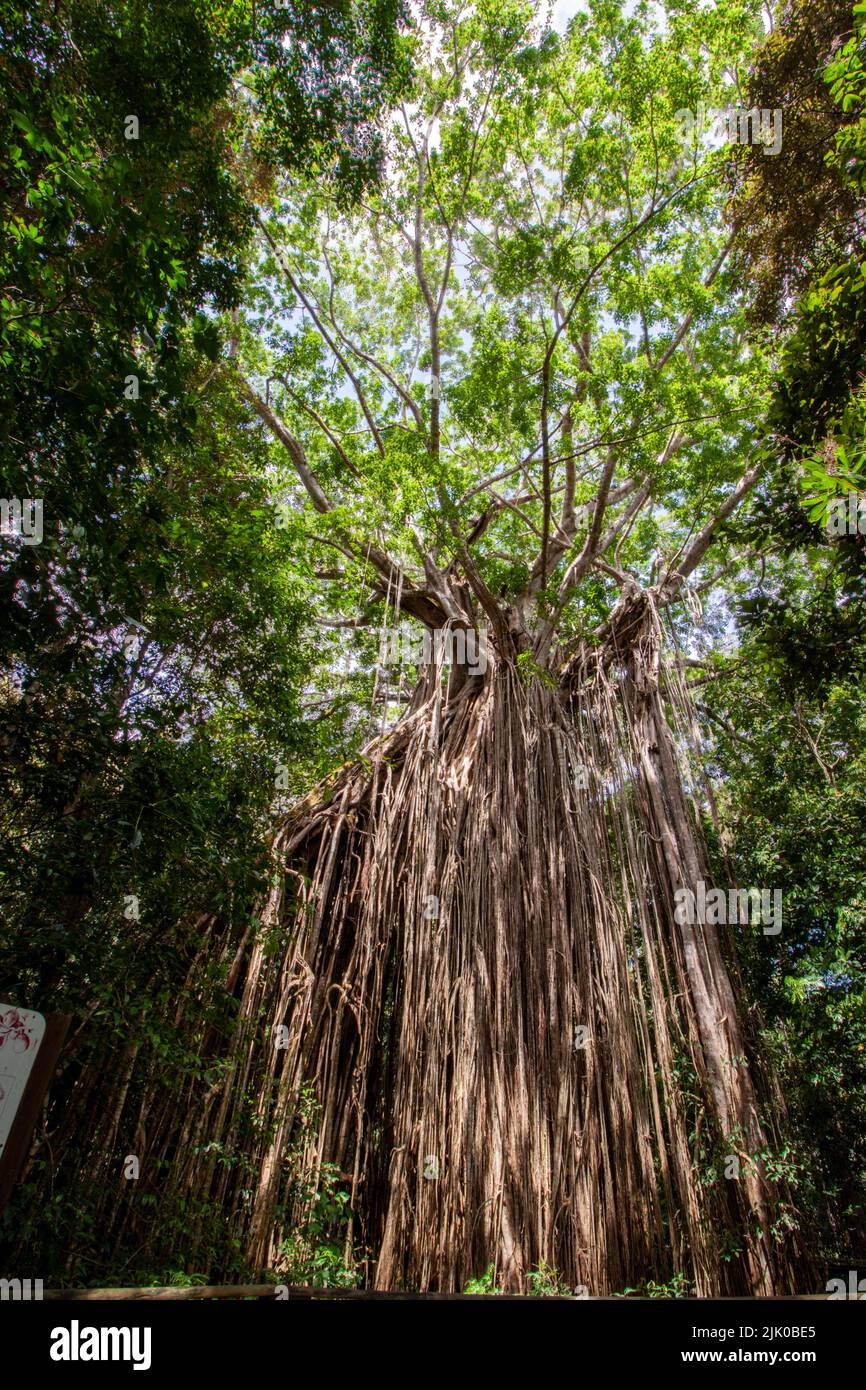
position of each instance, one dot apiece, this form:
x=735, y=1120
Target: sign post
x=29, y=1047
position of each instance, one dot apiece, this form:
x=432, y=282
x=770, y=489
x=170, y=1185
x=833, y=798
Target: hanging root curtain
x=471, y=959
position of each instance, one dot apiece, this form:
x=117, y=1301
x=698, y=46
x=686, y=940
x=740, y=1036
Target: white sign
x=21, y=1032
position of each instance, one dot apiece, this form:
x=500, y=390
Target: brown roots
x=470, y=960
x=518, y=1055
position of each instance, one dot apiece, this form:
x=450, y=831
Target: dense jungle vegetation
x=326, y=326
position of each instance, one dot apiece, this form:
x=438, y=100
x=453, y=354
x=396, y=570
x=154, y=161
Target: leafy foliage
x=154, y=646
x=286, y=373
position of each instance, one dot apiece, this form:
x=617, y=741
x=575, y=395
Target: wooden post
x=18, y=1143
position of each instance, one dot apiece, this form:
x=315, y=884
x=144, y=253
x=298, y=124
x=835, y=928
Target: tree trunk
x=517, y=1054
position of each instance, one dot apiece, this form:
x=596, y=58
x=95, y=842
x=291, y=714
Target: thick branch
x=294, y=448
x=674, y=579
